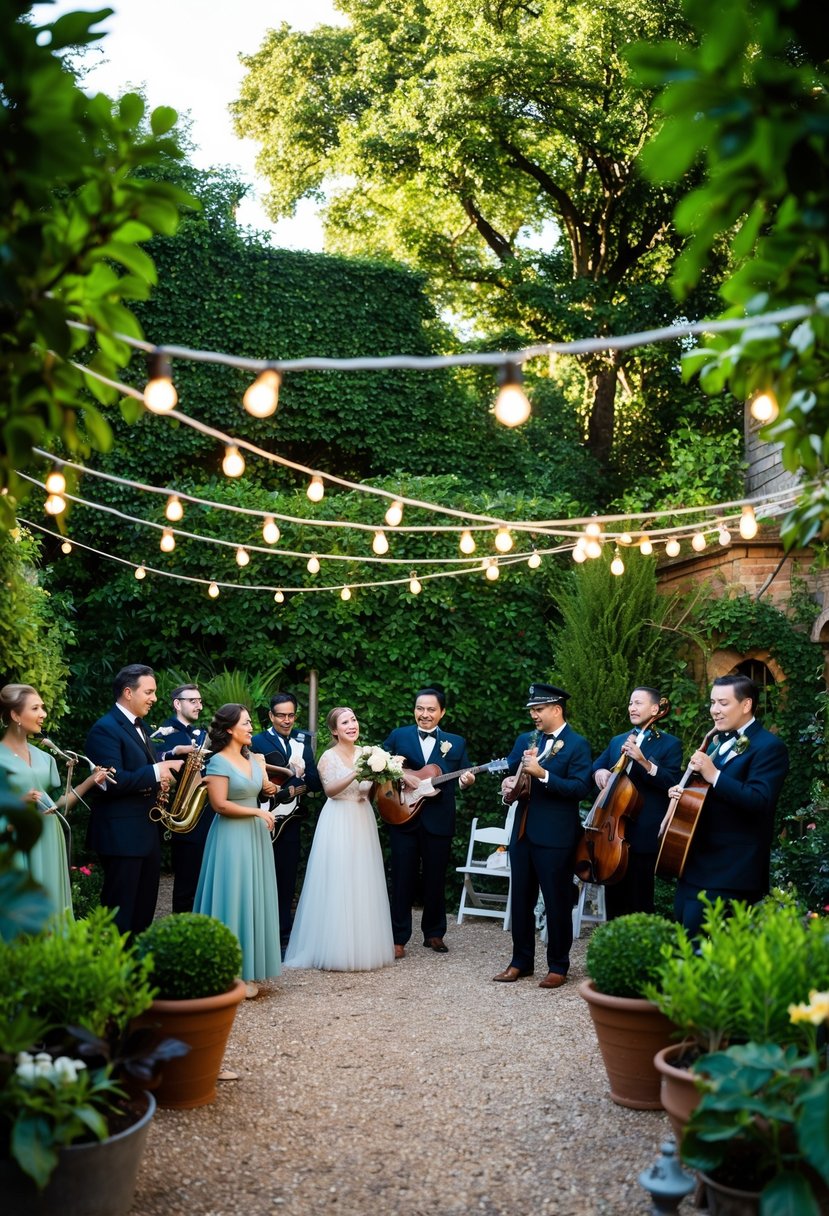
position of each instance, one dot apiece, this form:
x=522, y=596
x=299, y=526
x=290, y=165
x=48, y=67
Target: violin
x=681, y=819
x=520, y=793
x=602, y=853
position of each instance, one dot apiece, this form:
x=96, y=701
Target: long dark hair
x=219, y=729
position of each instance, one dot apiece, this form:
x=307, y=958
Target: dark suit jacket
x=553, y=808
x=119, y=824
x=267, y=742
x=666, y=753
x=182, y=735
x=438, y=814
x=732, y=843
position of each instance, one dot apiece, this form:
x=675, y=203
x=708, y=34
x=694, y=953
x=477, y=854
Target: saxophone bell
x=189, y=798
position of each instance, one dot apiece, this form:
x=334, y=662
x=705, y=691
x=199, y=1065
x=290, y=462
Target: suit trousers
x=412, y=852
x=635, y=892
x=131, y=886
x=286, y=854
x=690, y=912
x=187, y=858
x=534, y=867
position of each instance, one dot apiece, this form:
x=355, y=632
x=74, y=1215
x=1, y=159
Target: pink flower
x=810, y=827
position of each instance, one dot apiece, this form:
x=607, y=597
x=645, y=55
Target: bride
x=343, y=922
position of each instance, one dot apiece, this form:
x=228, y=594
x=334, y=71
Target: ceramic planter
x=678, y=1093
x=204, y=1025
x=728, y=1201
x=94, y=1179
x=630, y=1032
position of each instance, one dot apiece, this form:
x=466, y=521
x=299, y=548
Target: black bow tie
x=427, y=734
x=726, y=734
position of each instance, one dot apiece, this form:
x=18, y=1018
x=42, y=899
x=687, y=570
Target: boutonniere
x=445, y=747
x=557, y=746
x=741, y=744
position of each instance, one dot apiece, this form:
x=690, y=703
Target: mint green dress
x=47, y=862
x=237, y=883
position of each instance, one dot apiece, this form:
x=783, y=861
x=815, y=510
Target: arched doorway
x=761, y=674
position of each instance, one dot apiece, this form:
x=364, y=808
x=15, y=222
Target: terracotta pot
x=630, y=1032
x=94, y=1179
x=677, y=1090
x=728, y=1201
x=205, y=1026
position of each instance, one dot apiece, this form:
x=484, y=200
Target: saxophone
x=190, y=795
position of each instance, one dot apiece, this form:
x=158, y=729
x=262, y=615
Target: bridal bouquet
x=375, y=764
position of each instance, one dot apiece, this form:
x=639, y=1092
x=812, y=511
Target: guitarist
x=655, y=765
x=424, y=844
x=283, y=745
x=545, y=832
x=745, y=767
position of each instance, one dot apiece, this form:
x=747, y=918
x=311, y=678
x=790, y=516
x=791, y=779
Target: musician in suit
x=654, y=765
x=285, y=746
x=422, y=847
x=745, y=767
x=120, y=829
x=179, y=735
x=545, y=831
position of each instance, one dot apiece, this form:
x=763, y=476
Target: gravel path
x=419, y=1089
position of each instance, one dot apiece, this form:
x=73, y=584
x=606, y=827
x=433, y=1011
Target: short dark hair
x=744, y=687
x=438, y=693
x=223, y=722
x=279, y=697
x=654, y=693
x=175, y=695
x=130, y=677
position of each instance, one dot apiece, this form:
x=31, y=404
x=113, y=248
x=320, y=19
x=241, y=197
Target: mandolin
x=681, y=819
x=400, y=801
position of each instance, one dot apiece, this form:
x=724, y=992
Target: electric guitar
x=400, y=801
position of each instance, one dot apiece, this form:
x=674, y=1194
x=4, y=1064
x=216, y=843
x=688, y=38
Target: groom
x=424, y=844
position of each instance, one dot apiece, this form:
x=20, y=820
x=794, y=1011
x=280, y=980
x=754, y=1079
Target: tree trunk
x=600, y=425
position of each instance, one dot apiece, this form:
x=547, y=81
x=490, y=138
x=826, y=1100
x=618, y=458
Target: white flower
x=378, y=759
x=67, y=1070
x=445, y=747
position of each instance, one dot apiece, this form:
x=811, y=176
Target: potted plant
x=622, y=956
x=194, y=962
x=734, y=986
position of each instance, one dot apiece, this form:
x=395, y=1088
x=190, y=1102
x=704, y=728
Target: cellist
x=655, y=765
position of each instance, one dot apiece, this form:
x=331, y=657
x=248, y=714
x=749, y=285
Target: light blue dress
x=47, y=862
x=237, y=883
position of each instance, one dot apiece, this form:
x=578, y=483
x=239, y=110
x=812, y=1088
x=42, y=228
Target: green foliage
x=72, y=219
x=626, y=953
x=87, y=882
x=737, y=983
x=225, y=687
x=801, y=856
x=83, y=974
x=749, y=103
x=35, y=626
x=189, y=956
x=619, y=622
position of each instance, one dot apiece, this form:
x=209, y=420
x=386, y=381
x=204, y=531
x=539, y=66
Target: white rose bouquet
x=375, y=764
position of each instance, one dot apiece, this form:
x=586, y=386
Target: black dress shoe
x=436, y=944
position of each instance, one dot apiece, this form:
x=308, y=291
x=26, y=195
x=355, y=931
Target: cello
x=602, y=853
x=681, y=820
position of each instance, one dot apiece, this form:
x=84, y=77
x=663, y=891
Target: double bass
x=681, y=820
x=602, y=853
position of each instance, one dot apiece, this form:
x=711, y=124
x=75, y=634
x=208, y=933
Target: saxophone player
x=179, y=735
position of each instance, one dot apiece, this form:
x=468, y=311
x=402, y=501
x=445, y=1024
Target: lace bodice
x=332, y=767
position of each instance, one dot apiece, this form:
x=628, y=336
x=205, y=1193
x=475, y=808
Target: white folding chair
x=590, y=908
x=474, y=901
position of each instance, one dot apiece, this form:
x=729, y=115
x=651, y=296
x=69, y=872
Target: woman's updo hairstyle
x=333, y=714
x=13, y=698
x=223, y=722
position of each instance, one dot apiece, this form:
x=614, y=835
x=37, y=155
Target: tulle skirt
x=343, y=921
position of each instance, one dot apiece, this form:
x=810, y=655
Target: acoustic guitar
x=400, y=801
x=681, y=819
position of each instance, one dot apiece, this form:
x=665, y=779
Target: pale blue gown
x=47, y=862
x=237, y=883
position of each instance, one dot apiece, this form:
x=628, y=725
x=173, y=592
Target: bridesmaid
x=237, y=883
x=31, y=774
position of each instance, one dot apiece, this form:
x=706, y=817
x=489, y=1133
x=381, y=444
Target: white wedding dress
x=343, y=921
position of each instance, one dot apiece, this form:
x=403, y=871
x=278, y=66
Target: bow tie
x=726, y=734
x=427, y=734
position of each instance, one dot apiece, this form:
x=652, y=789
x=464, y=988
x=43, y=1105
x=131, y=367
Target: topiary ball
x=193, y=956
x=625, y=954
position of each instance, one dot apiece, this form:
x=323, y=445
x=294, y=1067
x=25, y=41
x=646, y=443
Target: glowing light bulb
x=534, y=560
x=233, y=464
x=503, y=540
x=316, y=490
x=54, y=504
x=592, y=549
x=415, y=585
x=262, y=396
x=579, y=555
x=593, y=530
x=724, y=536
x=270, y=530
x=673, y=547
x=313, y=566
x=279, y=597
x=645, y=547
x=380, y=544
x=160, y=394
x=345, y=594
x=394, y=514
x=764, y=407
x=55, y=482
x=242, y=556
x=698, y=542
x=493, y=571
x=174, y=510
x=626, y=539
x=467, y=542
x=748, y=524
x=140, y=573
x=617, y=566
x=511, y=405
x=213, y=591
x=66, y=547
x=168, y=541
